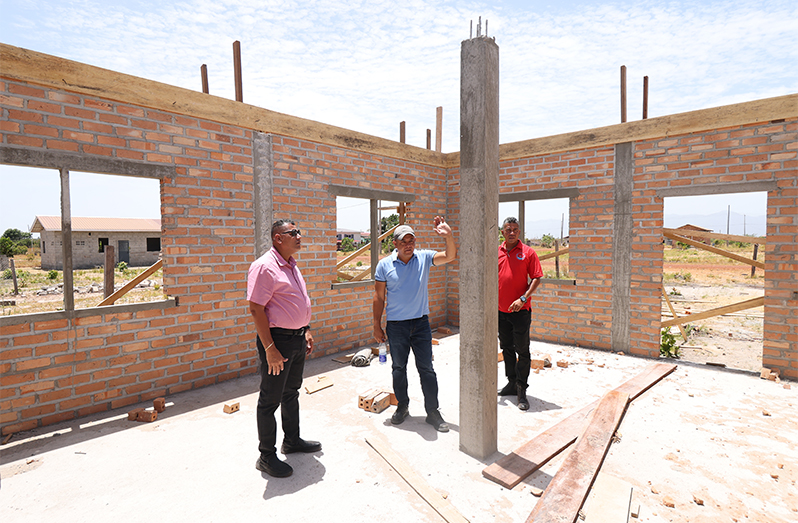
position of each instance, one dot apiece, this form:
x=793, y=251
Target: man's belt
x=289, y=332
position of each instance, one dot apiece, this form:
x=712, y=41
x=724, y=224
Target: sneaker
x=400, y=414
x=435, y=419
x=300, y=446
x=273, y=466
x=509, y=390
x=523, y=403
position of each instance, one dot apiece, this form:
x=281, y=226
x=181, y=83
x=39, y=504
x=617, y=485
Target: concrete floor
x=700, y=432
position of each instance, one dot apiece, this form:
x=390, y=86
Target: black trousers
x=514, y=341
x=281, y=391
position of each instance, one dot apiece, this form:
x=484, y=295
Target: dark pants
x=281, y=391
x=403, y=336
x=514, y=340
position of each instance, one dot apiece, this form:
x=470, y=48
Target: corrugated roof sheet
x=91, y=224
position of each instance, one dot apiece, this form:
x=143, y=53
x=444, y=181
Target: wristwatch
x=523, y=299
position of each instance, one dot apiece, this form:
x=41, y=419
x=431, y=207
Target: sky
x=367, y=65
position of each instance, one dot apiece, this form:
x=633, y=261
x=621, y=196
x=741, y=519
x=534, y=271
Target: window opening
x=713, y=278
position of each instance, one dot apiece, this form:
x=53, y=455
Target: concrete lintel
x=718, y=188
x=49, y=159
x=542, y=194
x=6, y=321
x=370, y=194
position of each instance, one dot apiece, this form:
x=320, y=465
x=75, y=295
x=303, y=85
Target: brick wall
x=568, y=314
x=60, y=366
x=766, y=152
x=54, y=370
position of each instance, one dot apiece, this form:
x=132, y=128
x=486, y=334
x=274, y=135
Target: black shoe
x=400, y=414
x=509, y=390
x=272, y=466
x=523, y=403
x=301, y=446
x=435, y=419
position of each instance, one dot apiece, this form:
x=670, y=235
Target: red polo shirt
x=514, y=268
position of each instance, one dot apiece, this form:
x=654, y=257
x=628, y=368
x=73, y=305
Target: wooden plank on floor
x=441, y=505
x=610, y=500
x=510, y=470
x=568, y=489
x=315, y=385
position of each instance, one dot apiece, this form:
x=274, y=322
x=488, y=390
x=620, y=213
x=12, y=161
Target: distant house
x=356, y=236
x=685, y=229
x=136, y=241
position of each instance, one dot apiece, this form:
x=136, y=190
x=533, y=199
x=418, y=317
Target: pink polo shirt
x=278, y=286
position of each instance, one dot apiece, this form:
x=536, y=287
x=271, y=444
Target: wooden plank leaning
x=510, y=470
x=569, y=487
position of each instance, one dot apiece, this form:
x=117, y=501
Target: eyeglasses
x=293, y=232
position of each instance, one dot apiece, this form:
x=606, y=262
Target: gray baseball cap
x=402, y=231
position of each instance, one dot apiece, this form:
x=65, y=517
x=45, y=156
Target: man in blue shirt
x=401, y=280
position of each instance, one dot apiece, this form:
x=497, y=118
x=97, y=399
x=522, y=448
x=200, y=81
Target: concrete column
x=479, y=233
x=263, y=205
x=66, y=241
x=622, y=231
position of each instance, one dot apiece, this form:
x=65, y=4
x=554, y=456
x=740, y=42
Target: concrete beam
x=479, y=230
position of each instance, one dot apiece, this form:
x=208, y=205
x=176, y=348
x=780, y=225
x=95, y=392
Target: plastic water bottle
x=383, y=354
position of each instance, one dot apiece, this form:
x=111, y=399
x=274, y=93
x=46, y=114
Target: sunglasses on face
x=293, y=232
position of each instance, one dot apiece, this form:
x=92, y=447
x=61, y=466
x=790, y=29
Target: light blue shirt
x=407, y=296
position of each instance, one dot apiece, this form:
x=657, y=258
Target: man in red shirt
x=519, y=276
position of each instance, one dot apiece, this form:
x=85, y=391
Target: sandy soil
x=734, y=340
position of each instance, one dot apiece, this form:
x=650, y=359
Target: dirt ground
x=734, y=340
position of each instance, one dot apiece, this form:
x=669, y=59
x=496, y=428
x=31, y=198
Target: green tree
x=547, y=240
x=386, y=224
x=10, y=248
x=15, y=235
x=347, y=245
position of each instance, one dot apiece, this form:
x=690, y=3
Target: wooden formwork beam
x=726, y=254
x=132, y=283
x=719, y=311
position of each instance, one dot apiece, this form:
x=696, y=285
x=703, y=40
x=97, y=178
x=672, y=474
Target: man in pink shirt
x=280, y=306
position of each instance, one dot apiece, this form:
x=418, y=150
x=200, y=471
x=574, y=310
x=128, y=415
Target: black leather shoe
x=523, y=403
x=272, y=466
x=435, y=419
x=400, y=414
x=509, y=390
x=301, y=446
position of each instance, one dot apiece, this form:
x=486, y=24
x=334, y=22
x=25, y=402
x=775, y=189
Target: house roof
x=691, y=227
x=91, y=224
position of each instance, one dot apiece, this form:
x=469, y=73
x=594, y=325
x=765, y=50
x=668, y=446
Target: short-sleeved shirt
x=515, y=267
x=406, y=284
x=278, y=285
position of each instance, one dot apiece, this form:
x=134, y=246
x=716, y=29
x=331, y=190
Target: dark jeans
x=403, y=336
x=281, y=391
x=514, y=339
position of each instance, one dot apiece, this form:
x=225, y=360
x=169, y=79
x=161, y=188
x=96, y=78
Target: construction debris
x=563, y=364
x=232, y=407
x=134, y=414
x=668, y=502
x=698, y=500
x=159, y=404
x=147, y=416
x=321, y=382
x=344, y=359
x=445, y=330
x=362, y=358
